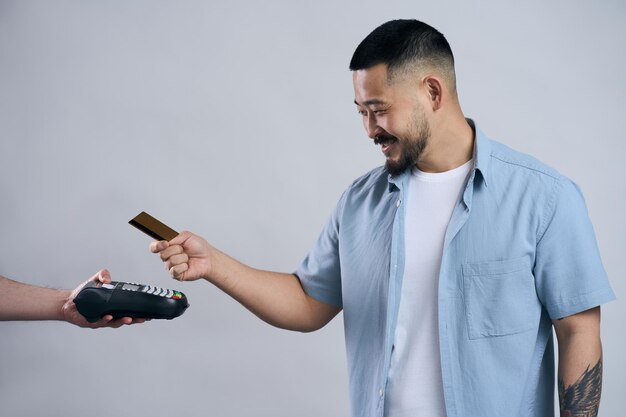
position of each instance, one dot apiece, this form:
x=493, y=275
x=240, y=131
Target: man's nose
x=372, y=127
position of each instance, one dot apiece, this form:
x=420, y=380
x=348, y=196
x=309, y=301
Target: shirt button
x=398, y=203
x=381, y=392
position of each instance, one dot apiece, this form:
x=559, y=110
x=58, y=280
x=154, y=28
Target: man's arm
x=580, y=363
x=277, y=298
x=28, y=302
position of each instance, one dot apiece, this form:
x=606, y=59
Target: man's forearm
x=277, y=298
x=27, y=302
x=580, y=364
x=582, y=398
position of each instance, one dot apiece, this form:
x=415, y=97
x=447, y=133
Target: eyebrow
x=370, y=102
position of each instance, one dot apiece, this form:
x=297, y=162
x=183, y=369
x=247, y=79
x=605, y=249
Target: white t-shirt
x=414, y=388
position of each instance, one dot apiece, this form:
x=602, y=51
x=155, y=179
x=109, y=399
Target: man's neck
x=449, y=148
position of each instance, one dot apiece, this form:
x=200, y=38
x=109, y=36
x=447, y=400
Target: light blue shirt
x=519, y=251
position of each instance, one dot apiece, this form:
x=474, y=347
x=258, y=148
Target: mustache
x=380, y=139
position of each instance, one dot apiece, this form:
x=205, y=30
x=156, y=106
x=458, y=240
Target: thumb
x=181, y=238
x=104, y=276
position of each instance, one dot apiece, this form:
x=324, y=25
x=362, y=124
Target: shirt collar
x=398, y=181
x=482, y=152
x=482, y=159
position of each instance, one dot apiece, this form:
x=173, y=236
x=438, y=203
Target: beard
x=411, y=148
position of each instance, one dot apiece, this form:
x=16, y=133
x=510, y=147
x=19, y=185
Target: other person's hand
x=71, y=314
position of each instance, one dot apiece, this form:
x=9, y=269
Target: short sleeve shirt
x=519, y=252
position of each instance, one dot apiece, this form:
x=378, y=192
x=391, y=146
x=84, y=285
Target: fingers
x=178, y=271
x=175, y=260
x=177, y=265
x=108, y=321
x=181, y=238
x=172, y=254
x=104, y=276
x=177, y=253
x=172, y=250
x=105, y=321
x=158, y=246
x=115, y=323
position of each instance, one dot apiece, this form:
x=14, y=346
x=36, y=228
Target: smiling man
x=452, y=263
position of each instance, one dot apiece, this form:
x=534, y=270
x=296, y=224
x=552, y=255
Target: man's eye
x=362, y=112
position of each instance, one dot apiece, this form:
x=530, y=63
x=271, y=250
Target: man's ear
x=434, y=88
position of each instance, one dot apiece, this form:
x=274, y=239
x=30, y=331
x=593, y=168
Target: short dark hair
x=404, y=45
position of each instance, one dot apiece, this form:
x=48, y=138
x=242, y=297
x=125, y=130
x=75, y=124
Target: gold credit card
x=152, y=227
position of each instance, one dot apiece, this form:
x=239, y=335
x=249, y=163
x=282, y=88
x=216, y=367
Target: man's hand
x=71, y=314
x=187, y=256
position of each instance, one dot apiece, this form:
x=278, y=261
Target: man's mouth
x=386, y=142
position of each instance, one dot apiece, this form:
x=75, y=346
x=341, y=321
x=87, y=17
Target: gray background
x=235, y=120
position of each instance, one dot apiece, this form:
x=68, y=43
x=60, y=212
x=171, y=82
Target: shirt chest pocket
x=500, y=298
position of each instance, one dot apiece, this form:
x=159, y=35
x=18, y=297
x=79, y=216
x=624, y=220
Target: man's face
x=392, y=115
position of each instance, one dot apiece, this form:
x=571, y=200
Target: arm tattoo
x=582, y=398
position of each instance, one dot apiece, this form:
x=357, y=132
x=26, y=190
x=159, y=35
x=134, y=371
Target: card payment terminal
x=124, y=299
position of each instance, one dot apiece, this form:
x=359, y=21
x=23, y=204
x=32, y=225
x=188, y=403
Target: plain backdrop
x=235, y=120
